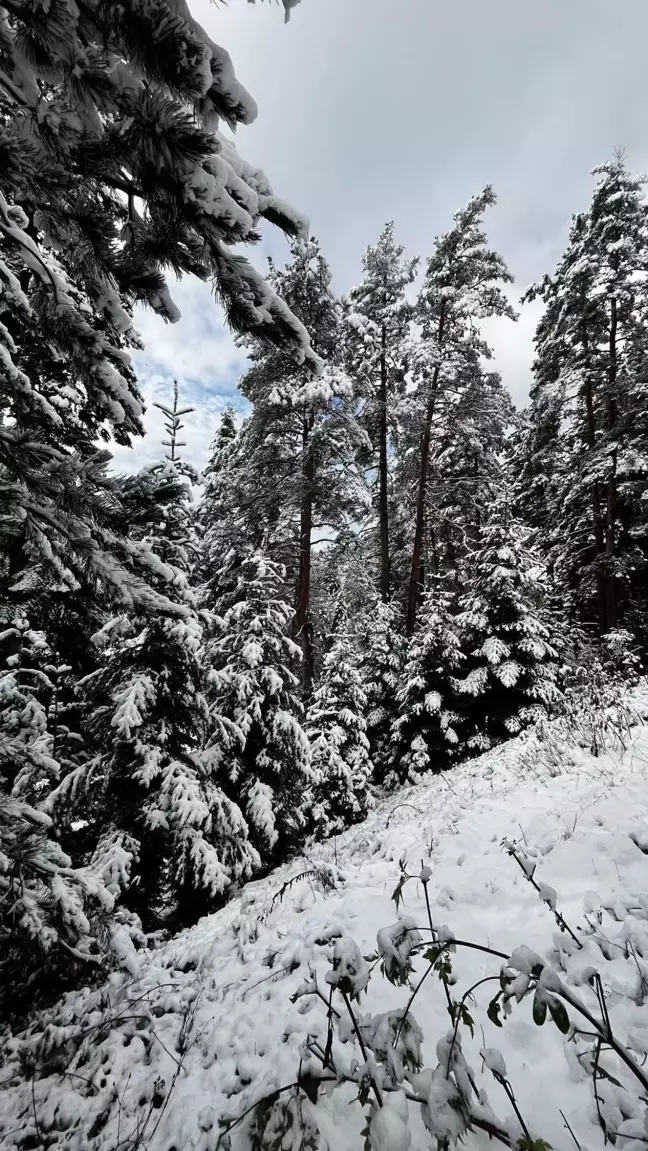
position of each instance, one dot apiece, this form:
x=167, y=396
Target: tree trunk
x=415, y=583
x=303, y=623
x=383, y=489
x=597, y=513
x=611, y=610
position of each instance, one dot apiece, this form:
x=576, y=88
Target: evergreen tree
x=52, y=915
x=461, y=287
x=173, y=426
x=253, y=693
x=426, y=734
x=222, y=526
x=587, y=419
x=298, y=473
x=119, y=165
x=509, y=672
x=112, y=171
x=337, y=730
x=377, y=337
x=383, y=651
x=466, y=468
x=158, y=826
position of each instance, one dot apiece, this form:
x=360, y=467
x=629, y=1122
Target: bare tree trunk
x=303, y=624
x=415, y=583
x=383, y=490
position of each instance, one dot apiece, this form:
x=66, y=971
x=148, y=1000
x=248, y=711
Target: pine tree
x=164, y=834
x=467, y=467
x=222, y=525
x=53, y=916
x=383, y=651
x=509, y=673
x=119, y=165
x=426, y=733
x=377, y=337
x=253, y=693
x=337, y=729
x=299, y=473
x=461, y=287
x=111, y=172
x=157, y=825
x=588, y=411
x=173, y=426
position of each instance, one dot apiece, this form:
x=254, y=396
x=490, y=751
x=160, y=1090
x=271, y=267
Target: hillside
x=208, y=1027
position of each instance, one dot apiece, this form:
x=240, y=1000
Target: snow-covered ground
x=209, y=1027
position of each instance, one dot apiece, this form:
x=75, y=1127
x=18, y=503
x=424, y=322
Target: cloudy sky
x=371, y=110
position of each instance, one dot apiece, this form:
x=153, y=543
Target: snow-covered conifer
x=587, y=417
x=253, y=693
x=157, y=824
x=377, y=329
x=427, y=727
x=461, y=286
x=52, y=915
x=337, y=728
x=167, y=838
x=510, y=670
x=299, y=472
x=382, y=654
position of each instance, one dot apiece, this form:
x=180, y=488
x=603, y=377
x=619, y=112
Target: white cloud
x=372, y=110
x=199, y=349
x=200, y=353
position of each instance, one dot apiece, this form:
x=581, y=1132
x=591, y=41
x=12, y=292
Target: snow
x=388, y=1130
x=219, y=1017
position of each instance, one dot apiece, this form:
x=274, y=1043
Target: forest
x=386, y=569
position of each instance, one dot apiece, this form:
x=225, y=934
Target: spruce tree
x=377, y=332
x=587, y=419
x=509, y=670
x=337, y=728
x=258, y=744
x=382, y=656
x=427, y=729
x=461, y=286
x=52, y=915
x=157, y=824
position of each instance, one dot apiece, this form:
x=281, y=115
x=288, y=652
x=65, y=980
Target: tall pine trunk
x=611, y=608
x=597, y=514
x=415, y=583
x=383, y=487
x=303, y=622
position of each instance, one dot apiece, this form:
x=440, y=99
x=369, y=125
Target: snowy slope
x=208, y=1027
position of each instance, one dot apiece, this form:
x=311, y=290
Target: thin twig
x=596, y=1094
x=356, y=1028
x=567, y=1125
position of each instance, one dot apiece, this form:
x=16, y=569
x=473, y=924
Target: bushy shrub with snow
x=389, y=1069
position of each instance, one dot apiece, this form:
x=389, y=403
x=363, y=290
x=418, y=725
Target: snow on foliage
x=510, y=666
x=221, y=1019
x=252, y=687
x=337, y=728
